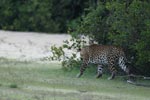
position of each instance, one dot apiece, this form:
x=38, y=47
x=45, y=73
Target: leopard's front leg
x=82, y=69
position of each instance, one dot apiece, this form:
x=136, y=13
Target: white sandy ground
x=28, y=45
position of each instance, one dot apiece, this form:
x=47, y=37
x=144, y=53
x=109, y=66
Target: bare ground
x=28, y=45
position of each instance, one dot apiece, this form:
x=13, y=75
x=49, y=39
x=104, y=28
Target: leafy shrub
x=121, y=23
x=69, y=61
x=130, y=29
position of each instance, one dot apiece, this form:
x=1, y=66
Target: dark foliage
x=39, y=15
x=124, y=23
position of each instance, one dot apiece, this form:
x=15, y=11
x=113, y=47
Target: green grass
x=39, y=81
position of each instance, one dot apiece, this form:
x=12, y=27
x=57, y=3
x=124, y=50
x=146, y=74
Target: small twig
x=146, y=78
x=137, y=84
x=136, y=76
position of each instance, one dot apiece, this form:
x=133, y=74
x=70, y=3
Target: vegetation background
x=114, y=22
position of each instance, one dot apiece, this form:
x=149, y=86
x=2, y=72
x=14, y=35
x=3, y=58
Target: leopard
x=103, y=55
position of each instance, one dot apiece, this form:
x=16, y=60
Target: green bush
x=130, y=29
x=92, y=24
x=121, y=23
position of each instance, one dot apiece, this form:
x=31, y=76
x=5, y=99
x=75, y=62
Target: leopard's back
x=100, y=54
